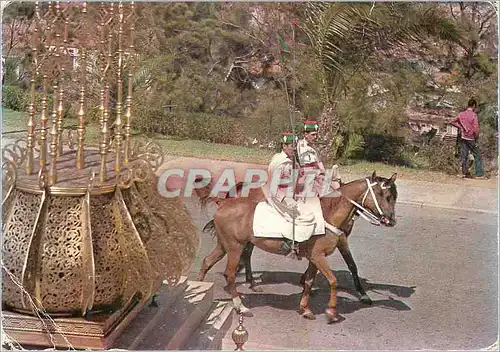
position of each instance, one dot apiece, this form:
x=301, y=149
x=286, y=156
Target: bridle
x=362, y=211
x=365, y=213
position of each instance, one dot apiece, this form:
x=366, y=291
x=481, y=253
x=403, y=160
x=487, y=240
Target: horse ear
x=374, y=175
x=393, y=177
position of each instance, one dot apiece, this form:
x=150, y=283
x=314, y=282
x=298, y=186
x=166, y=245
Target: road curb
x=446, y=206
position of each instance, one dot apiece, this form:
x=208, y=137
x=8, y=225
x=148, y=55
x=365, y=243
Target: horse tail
x=205, y=197
x=209, y=228
x=204, y=194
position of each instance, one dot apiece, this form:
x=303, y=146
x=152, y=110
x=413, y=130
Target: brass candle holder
x=86, y=238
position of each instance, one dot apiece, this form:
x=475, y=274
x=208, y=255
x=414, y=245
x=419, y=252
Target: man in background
x=468, y=124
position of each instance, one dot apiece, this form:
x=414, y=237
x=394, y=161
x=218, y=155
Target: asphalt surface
x=433, y=279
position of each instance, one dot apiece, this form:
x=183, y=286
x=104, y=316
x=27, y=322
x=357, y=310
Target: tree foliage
x=229, y=72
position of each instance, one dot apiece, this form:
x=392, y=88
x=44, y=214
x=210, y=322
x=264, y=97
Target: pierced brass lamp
x=87, y=240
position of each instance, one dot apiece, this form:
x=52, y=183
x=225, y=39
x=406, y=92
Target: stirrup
x=294, y=253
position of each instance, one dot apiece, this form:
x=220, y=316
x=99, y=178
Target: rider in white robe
x=280, y=170
x=312, y=170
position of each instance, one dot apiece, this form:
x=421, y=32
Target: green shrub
x=18, y=99
x=217, y=129
x=354, y=147
x=15, y=98
x=439, y=156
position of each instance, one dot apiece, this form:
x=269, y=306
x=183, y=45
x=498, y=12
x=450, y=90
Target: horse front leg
x=331, y=313
x=344, y=250
x=233, y=258
x=308, y=277
x=246, y=258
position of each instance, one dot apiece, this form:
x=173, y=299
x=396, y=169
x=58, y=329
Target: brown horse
x=233, y=226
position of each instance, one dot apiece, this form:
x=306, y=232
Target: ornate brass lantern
x=86, y=238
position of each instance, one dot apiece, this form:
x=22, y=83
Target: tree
x=345, y=36
x=17, y=23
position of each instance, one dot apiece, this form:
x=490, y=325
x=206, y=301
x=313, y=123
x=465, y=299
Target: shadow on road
x=321, y=295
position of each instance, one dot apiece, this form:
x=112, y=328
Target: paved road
x=433, y=279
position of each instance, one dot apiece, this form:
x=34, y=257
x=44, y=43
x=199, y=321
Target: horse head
x=380, y=198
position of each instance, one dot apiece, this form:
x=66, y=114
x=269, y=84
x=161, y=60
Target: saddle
x=283, y=219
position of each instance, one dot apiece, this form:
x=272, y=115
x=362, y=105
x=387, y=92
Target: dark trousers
x=467, y=146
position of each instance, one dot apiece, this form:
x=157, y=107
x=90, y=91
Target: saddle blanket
x=269, y=223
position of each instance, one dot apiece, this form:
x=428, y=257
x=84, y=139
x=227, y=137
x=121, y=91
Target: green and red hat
x=311, y=126
x=287, y=138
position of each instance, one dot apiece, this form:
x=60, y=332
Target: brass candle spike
x=119, y=98
x=128, y=114
x=80, y=157
x=53, y=142
x=60, y=110
x=104, y=138
x=31, y=121
x=44, y=118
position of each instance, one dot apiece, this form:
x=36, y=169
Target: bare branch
x=486, y=20
x=244, y=31
x=213, y=66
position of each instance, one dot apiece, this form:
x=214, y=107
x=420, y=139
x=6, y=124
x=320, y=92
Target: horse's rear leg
x=308, y=276
x=233, y=257
x=322, y=265
x=349, y=260
x=210, y=260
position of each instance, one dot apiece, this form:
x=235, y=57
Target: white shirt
x=307, y=155
x=281, y=163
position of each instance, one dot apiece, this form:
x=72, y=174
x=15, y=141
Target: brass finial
x=240, y=335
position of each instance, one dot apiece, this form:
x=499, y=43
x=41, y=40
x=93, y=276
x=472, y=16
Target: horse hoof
x=256, y=288
x=333, y=318
x=309, y=315
x=366, y=300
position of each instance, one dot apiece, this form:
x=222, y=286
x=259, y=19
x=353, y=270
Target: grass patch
x=14, y=120
x=14, y=125
x=200, y=149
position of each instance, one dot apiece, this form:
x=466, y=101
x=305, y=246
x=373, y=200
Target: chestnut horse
x=233, y=226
